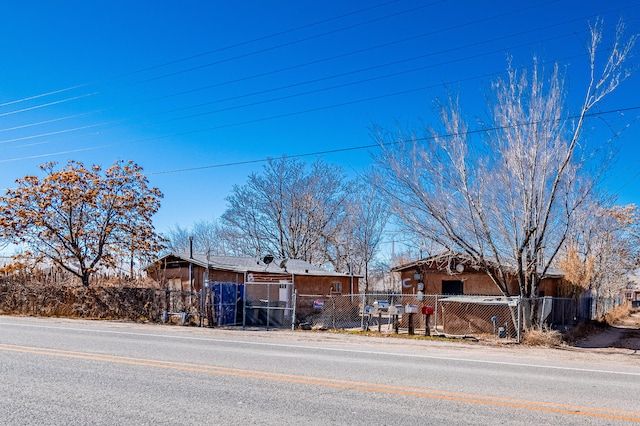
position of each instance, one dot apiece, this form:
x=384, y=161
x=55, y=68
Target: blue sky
x=188, y=89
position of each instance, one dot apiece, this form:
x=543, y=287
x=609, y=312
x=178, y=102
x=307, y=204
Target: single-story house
x=455, y=275
x=250, y=281
x=447, y=280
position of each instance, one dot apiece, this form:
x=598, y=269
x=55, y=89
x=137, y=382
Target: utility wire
x=235, y=46
x=281, y=88
x=289, y=68
x=380, y=144
x=388, y=75
x=198, y=55
x=274, y=89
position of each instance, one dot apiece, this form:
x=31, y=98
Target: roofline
x=232, y=268
x=426, y=260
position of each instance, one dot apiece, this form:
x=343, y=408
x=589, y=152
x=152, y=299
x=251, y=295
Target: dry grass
x=583, y=330
x=110, y=302
x=618, y=314
x=542, y=337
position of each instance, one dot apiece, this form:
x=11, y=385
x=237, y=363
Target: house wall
x=309, y=284
x=178, y=278
x=220, y=276
x=305, y=284
x=474, y=283
x=312, y=288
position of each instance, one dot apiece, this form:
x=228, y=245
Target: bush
x=617, y=314
x=542, y=337
x=76, y=301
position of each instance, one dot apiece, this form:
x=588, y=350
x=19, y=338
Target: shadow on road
x=613, y=337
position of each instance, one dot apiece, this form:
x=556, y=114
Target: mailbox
x=396, y=310
x=427, y=310
x=411, y=309
x=381, y=305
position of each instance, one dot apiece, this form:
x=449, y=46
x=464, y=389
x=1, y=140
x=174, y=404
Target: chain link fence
x=276, y=305
x=483, y=317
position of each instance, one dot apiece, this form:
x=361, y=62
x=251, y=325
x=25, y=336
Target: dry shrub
x=542, y=337
x=617, y=314
x=73, y=301
x=582, y=330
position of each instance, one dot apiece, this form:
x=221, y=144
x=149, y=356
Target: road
x=76, y=372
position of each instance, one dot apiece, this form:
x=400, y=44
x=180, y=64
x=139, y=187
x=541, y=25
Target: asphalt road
x=74, y=372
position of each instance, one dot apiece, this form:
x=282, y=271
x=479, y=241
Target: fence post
x=435, y=317
x=244, y=306
x=519, y=320
x=293, y=311
x=362, y=313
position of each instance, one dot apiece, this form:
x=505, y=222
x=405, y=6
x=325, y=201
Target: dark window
x=452, y=287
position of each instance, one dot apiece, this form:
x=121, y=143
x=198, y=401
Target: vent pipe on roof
x=190, y=247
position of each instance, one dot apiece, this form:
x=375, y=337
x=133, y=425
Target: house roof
x=464, y=260
x=251, y=264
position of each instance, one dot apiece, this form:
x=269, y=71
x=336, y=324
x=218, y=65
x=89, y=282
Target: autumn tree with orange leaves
x=83, y=218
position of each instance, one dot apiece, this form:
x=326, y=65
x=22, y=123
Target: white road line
x=315, y=348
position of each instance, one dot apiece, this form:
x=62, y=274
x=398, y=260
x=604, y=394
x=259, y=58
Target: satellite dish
x=267, y=259
x=283, y=264
x=460, y=268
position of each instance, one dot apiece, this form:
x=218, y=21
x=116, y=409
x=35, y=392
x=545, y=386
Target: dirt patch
x=623, y=334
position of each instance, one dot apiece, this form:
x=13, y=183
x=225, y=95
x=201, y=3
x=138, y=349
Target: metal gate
x=268, y=304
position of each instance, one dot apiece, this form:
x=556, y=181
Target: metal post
x=268, y=305
x=294, y=295
x=435, y=321
x=293, y=312
x=364, y=298
x=244, y=300
x=190, y=271
x=519, y=307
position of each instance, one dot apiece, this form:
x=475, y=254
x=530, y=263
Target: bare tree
x=505, y=201
x=355, y=244
x=177, y=239
x=209, y=237
x=602, y=249
x=287, y=210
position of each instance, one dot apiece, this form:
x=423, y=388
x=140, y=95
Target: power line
x=262, y=119
x=274, y=89
x=413, y=9
x=247, y=122
x=343, y=29
x=377, y=145
x=289, y=68
x=312, y=81
x=198, y=55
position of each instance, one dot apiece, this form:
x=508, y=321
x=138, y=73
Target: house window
x=452, y=287
x=337, y=287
